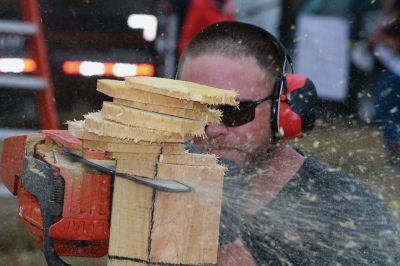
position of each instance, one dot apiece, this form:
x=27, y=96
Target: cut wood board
x=183, y=90
x=174, y=148
x=118, y=89
x=134, y=156
x=187, y=233
x=95, y=123
x=161, y=227
x=130, y=222
x=153, y=148
x=189, y=159
x=167, y=149
x=139, y=168
x=76, y=128
x=208, y=116
x=143, y=119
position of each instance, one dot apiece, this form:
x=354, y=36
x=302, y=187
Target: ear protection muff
x=293, y=108
x=294, y=101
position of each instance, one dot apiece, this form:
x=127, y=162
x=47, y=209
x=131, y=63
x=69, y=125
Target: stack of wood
x=142, y=129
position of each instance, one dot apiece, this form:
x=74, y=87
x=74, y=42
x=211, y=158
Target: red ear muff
x=293, y=110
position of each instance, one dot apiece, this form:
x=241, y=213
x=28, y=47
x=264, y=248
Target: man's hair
x=235, y=39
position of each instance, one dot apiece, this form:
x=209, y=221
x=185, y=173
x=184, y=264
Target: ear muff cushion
x=289, y=123
x=302, y=100
x=275, y=108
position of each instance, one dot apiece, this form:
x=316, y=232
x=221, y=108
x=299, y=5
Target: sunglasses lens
x=237, y=116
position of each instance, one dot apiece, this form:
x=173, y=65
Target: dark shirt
x=322, y=217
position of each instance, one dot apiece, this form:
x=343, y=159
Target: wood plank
x=143, y=119
x=140, y=168
x=77, y=129
x=95, y=123
x=118, y=262
x=134, y=156
x=183, y=90
x=167, y=149
x=209, y=116
x=118, y=89
x=154, y=148
x=132, y=208
x=187, y=233
x=189, y=159
x=174, y=148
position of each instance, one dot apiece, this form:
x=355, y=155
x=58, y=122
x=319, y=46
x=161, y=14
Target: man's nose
x=216, y=130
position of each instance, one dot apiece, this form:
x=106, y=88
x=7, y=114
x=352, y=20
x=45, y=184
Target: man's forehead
x=241, y=73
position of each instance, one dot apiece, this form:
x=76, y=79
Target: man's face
x=242, y=74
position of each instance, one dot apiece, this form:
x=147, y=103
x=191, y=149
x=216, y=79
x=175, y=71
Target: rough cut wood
x=189, y=159
x=95, y=123
x=130, y=221
x=139, y=168
x=150, y=120
x=143, y=130
x=122, y=147
x=118, y=89
x=208, y=116
x=174, y=148
x=134, y=156
x=183, y=90
x=187, y=233
x=76, y=128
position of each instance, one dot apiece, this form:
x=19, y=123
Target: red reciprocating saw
x=64, y=192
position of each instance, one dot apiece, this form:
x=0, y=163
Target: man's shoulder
x=339, y=192
x=325, y=215
x=327, y=181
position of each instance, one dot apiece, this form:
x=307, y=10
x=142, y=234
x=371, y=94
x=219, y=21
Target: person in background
x=280, y=207
x=202, y=13
x=385, y=41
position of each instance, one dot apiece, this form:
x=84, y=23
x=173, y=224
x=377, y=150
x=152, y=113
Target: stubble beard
x=255, y=162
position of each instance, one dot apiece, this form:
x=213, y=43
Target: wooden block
x=186, y=225
x=132, y=206
x=134, y=156
x=183, y=90
x=113, y=261
x=208, y=116
x=189, y=159
x=130, y=221
x=118, y=89
x=143, y=119
x=167, y=149
x=173, y=148
x=95, y=123
x=153, y=148
x=77, y=129
x=139, y=168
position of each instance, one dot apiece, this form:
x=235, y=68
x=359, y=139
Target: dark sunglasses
x=233, y=116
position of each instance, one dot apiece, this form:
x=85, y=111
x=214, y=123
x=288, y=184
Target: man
x=293, y=210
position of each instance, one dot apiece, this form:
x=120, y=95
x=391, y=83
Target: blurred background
x=349, y=48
